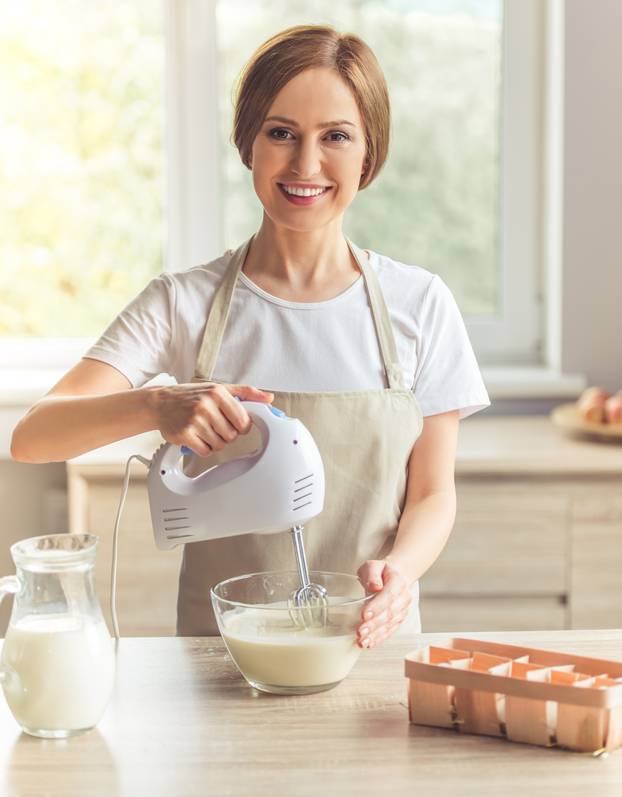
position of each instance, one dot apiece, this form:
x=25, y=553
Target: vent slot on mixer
x=176, y=515
x=302, y=491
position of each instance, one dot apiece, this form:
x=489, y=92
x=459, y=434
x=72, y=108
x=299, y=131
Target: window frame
x=514, y=335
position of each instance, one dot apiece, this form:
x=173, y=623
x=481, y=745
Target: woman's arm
x=91, y=407
x=430, y=508
x=426, y=522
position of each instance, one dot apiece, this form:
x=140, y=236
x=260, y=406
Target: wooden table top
x=183, y=722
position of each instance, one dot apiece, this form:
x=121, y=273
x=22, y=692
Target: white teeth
x=304, y=191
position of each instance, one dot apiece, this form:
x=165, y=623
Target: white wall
x=592, y=288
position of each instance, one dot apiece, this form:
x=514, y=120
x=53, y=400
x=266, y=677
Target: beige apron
x=365, y=438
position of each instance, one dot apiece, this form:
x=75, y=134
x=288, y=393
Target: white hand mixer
x=278, y=486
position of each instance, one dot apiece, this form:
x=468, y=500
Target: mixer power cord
x=115, y=538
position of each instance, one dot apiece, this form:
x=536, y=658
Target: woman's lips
x=302, y=200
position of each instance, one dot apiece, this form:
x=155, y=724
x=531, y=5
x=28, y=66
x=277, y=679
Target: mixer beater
x=308, y=605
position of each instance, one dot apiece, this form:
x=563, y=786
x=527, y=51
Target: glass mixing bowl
x=273, y=650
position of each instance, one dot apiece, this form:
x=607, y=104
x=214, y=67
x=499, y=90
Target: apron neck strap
x=218, y=315
x=382, y=320
x=221, y=306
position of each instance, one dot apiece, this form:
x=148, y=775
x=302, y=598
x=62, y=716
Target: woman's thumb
x=374, y=576
x=250, y=393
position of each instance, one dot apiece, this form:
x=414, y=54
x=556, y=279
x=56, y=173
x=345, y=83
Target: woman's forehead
x=314, y=97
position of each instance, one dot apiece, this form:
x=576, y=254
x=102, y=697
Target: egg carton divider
x=523, y=694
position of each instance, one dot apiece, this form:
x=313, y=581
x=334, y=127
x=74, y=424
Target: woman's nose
x=306, y=160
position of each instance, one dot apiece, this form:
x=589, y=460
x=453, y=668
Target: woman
x=356, y=345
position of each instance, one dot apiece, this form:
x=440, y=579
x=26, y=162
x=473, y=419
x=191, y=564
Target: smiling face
x=313, y=136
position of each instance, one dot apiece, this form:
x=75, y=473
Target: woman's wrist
x=150, y=401
x=403, y=567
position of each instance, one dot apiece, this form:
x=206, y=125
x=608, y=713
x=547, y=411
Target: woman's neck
x=300, y=266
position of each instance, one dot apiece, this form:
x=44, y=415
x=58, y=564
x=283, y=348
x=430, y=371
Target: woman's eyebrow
x=295, y=124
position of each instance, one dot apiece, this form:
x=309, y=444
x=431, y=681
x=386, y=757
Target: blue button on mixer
x=277, y=411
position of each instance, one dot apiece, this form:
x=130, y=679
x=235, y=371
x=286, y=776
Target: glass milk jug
x=57, y=662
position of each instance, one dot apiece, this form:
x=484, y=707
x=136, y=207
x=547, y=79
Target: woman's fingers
x=250, y=393
x=208, y=411
x=392, y=599
x=219, y=418
x=222, y=427
x=233, y=411
x=223, y=418
x=199, y=446
x=393, y=614
x=388, y=609
x=383, y=632
x=204, y=428
x=236, y=414
x=396, y=614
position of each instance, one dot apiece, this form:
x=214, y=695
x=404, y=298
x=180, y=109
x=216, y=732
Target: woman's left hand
x=388, y=608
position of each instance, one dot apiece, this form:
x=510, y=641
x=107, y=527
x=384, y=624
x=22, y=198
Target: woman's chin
x=300, y=224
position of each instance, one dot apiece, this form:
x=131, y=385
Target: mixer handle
x=186, y=450
x=264, y=416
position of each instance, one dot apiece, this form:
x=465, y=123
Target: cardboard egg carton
x=522, y=694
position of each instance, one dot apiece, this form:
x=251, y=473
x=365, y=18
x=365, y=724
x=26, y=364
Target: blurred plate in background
x=567, y=418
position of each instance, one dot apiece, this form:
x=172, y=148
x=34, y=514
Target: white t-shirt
x=275, y=344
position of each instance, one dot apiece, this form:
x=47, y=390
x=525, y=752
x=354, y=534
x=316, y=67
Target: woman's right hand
x=204, y=415
x=94, y=405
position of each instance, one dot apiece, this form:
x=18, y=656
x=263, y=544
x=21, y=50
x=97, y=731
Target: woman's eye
x=278, y=130
x=344, y=136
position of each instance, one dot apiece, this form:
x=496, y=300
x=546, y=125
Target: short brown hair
x=285, y=55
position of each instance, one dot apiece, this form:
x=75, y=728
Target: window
x=81, y=164
x=82, y=180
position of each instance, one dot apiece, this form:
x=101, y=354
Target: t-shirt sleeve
x=139, y=340
x=447, y=376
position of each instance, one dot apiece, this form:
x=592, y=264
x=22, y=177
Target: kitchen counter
x=528, y=444
x=522, y=486
x=183, y=722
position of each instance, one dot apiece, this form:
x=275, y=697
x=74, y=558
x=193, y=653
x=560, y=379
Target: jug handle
x=9, y=585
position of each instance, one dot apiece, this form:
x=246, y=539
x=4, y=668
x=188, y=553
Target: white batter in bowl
x=271, y=651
